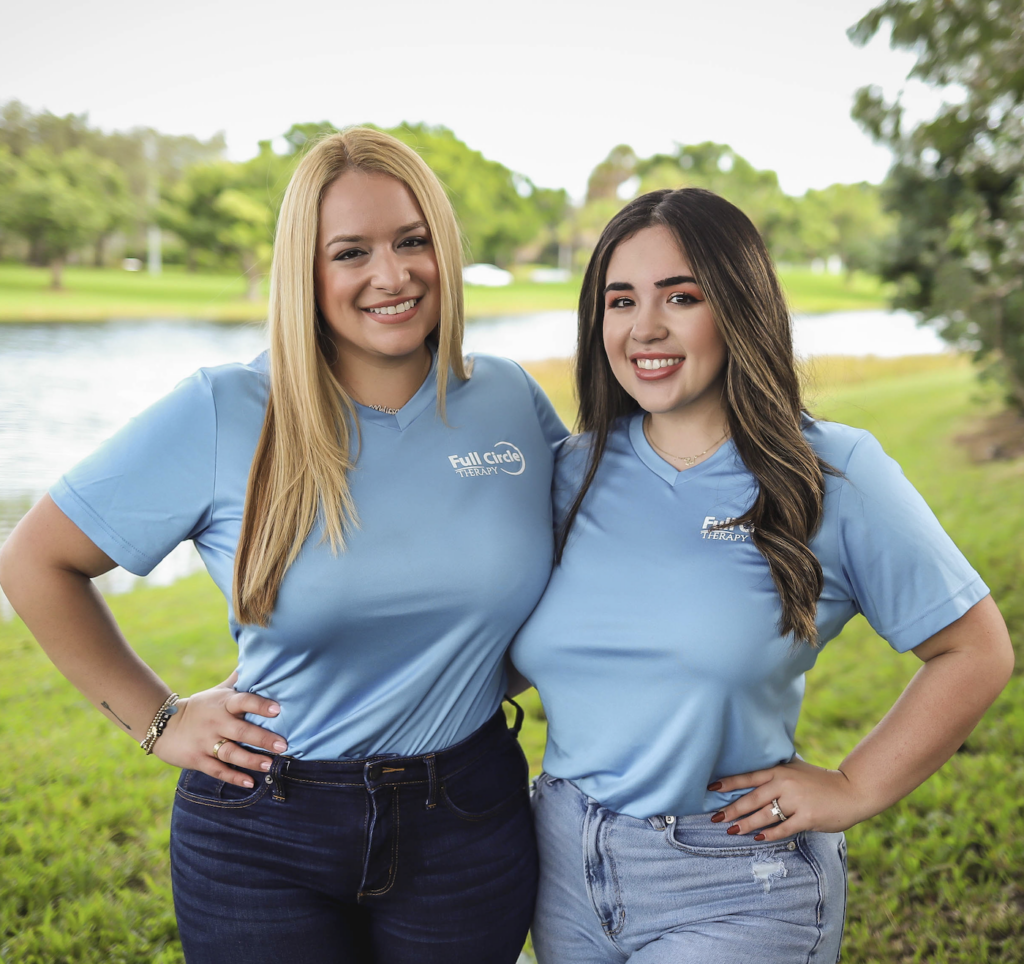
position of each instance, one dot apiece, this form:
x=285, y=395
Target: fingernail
x=247, y=783
x=273, y=709
x=760, y=836
x=718, y=817
x=265, y=765
x=733, y=829
x=717, y=785
x=280, y=746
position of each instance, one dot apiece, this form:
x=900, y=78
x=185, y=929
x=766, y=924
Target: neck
x=385, y=382
x=696, y=430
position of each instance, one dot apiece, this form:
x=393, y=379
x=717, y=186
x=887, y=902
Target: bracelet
x=167, y=709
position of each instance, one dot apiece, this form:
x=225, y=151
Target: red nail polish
x=717, y=785
x=760, y=836
x=718, y=817
x=733, y=829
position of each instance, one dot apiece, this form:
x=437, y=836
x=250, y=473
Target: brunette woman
x=714, y=538
x=379, y=517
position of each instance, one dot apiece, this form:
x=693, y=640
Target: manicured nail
x=265, y=765
x=733, y=829
x=273, y=709
x=717, y=785
x=718, y=817
x=760, y=836
x=280, y=746
x=247, y=783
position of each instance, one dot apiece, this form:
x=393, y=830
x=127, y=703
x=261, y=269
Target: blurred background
x=879, y=148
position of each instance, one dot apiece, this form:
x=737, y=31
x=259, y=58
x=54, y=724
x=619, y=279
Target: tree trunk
x=56, y=272
x=190, y=260
x=252, y=274
x=100, y=257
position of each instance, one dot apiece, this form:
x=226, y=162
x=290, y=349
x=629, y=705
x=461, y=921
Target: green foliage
x=957, y=182
x=59, y=202
x=499, y=211
x=938, y=878
x=228, y=211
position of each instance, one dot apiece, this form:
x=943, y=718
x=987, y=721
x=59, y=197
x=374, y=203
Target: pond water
x=66, y=387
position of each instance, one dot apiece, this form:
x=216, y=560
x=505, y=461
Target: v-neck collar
x=646, y=453
x=412, y=409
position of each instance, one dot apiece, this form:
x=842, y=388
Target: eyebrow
x=355, y=238
x=679, y=279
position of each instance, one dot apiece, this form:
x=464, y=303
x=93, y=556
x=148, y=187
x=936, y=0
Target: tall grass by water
x=937, y=878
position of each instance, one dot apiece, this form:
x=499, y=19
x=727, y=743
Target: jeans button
x=373, y=773
x=670, y=819
x=791, y=846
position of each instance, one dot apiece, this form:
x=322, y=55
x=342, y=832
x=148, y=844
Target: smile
x=652, y=364
x=394, y=309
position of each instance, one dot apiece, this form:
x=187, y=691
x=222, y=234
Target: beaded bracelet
x=166, y=711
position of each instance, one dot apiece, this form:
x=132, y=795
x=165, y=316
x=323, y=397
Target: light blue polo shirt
x=655, y=648
x=395, y=644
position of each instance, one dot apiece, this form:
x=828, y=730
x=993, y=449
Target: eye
x=683, y=298
x=348, y=254
x=415, y=242
x=621, y=303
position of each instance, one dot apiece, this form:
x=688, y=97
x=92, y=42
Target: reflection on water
x=65, y=388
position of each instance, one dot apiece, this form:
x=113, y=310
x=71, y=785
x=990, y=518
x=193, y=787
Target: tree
x=58, y=203
x=957, y=180
x=845, y=220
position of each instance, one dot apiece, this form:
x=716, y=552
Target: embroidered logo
x=727, y=532
x=503, y=457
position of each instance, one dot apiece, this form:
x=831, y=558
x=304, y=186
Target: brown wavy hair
x=761, y=395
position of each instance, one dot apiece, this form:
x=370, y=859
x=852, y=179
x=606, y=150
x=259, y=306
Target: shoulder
x=237, y=378
x=837, y=444
x=492, y=371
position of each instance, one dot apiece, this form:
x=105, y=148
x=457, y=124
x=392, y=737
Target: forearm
x=931, y=719
x=73, y=624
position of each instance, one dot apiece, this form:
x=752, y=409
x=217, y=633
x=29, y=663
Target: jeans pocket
x=713, y=841
x=489, y=784
x=198, y=787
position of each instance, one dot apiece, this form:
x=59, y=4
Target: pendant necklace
x=687, y=460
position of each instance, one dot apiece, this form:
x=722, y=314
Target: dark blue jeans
x=381, y=861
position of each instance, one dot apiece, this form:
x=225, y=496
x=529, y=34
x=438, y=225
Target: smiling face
x=659, y=334
x=376, y=274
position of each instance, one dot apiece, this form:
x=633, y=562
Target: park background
x=142, y=160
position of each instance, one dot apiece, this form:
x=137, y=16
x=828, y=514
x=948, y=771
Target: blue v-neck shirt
x=396, y=643
x=656, y=648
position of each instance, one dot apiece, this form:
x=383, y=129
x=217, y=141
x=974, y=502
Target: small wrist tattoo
x=106, y=706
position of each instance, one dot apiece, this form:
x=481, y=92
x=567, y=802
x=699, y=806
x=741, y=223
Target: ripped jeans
x=679, y=890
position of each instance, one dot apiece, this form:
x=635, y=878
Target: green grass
x=100, y=294
x=937, y=878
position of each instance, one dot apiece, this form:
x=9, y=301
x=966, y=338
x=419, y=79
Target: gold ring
x=217, y=746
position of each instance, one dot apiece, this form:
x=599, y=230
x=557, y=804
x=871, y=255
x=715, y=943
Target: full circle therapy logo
x=502, y=457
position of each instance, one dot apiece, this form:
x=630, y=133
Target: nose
x=648, y=325
x=389, y=274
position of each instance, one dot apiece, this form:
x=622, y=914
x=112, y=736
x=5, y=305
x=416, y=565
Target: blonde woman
x=378, y=517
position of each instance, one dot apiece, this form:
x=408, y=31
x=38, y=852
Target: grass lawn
x=938, y=878
x=100, y=294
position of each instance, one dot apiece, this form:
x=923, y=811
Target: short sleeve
x=905, y=574
x=150, y=486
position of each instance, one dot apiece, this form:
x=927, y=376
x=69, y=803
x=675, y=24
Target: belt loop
x=274, y=777
x=431, y=781
x=518, y=725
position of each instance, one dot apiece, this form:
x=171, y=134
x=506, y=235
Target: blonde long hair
x=310, y=431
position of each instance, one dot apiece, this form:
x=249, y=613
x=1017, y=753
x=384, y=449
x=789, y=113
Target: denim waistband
x=378, y=771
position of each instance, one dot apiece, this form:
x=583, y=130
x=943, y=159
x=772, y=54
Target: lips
x=394, y=312
x=654, y=367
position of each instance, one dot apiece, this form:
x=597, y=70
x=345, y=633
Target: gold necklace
x=687, y=460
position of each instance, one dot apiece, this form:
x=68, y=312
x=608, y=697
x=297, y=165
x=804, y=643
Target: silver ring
x=777, y=811
x=217, y=746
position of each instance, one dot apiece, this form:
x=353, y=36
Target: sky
x=547, y=87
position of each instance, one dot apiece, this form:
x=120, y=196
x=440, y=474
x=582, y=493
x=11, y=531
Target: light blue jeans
x=679, y=890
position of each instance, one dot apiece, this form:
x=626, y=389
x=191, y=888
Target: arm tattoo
x=106, y=706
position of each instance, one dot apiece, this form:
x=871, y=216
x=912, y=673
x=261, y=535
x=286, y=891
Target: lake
x=66, y=387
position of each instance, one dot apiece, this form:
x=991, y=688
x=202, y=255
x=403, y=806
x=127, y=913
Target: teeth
x=652, y=364
x=395, y=309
